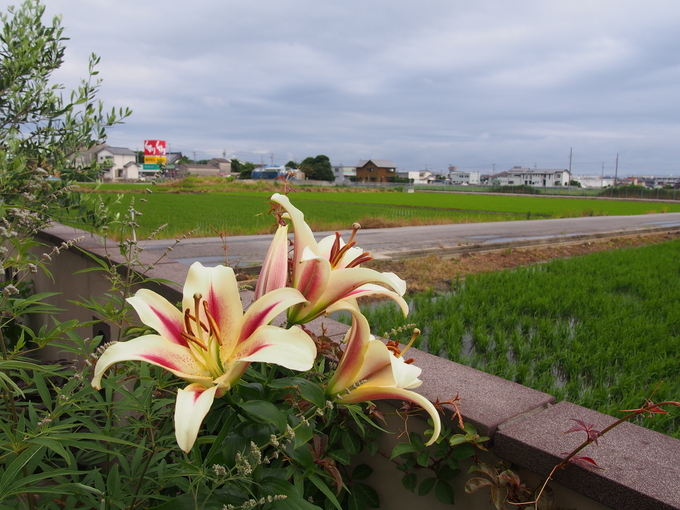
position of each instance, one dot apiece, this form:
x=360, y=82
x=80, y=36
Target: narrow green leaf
x=321, y=485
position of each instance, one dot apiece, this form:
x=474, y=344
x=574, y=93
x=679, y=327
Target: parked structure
x=376, y=170
x=277, y=172
x=521, y=176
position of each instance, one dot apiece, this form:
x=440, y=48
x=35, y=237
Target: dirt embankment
x=438, y=273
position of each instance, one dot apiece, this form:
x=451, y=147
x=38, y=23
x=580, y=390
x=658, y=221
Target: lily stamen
x=193, y=339
x=214, y=329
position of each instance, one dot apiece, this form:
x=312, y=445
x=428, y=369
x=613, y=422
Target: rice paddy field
x=245, y=212
x=601, y=331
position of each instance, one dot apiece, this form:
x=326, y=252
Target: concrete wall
x=640, y=469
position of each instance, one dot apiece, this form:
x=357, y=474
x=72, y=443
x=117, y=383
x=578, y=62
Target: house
x=344, y=174
x=522, y=176
x=376, y=170
x=116, y=162
x=216, y=167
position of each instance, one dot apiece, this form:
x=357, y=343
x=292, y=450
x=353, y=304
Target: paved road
x=443, y=239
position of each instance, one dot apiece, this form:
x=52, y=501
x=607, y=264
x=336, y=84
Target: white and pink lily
x=369, y=371
x=211, y=342
x=324, y=272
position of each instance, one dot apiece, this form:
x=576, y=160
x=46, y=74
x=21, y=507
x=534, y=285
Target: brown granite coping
x=639, y=468
x=486, y=401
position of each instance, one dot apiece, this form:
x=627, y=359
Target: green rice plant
x=601, y=331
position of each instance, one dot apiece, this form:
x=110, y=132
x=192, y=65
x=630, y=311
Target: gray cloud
x=463, y=83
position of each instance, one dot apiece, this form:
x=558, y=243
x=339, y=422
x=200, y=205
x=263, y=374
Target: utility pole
x=570, y=155
x=616, y=172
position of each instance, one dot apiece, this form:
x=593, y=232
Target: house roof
x=118, y=151
x=380, y=163
x=536, y=170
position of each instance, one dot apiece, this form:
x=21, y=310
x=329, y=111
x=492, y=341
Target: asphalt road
x=386, y=243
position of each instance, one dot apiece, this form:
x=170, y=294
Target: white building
x=520, y=176
x=418, y=176
x=344, y=173
x=465, y=178
x=593, y=181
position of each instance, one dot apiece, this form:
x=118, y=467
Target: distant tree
x=184, y=160
x=575, y=183
x=292, y=164
x=244, y=169
x=318, y=168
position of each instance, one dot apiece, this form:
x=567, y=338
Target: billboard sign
x=154, y=154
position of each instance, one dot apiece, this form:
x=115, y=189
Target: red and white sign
x=154, y=147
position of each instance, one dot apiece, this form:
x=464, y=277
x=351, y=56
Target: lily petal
x=274, y=273
x=311, y=275
x=158, y=313
x=156, y=350
x=265, y=309
x=341, y=284
x=193, y=403
x=303, y=234
x=368, y=391
x=218, y=287
x=291, y=348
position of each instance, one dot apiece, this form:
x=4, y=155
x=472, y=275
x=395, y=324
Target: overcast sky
x=427, y=85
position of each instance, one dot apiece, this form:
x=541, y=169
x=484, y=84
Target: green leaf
x=423, y=458
x=320, y=484
x=266, y=411
x=409, y=481
x=402, y=448
x=17, y=465
x=55, y=446
x=457, y=439
x=366, y=494
x=303, y=434
x=351, y=441
x=361, y=472
x=474, y=484
x=463, y=451
x=444, y=492
x=272, y=486
x=342, y=456
x=426, y=486
x=308, y=390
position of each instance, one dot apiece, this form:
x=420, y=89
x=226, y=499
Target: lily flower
x=324, y=272
x=370, y=370
x=211, y=342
